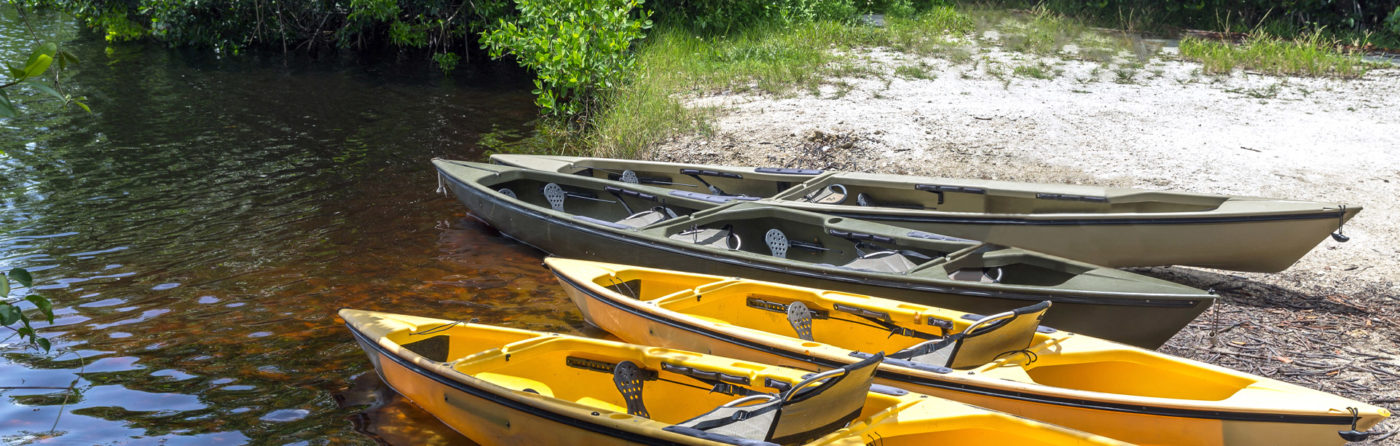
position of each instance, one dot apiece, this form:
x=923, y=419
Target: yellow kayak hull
x=1085, y=383
x=506, y=386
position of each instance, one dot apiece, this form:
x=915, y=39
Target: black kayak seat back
x=815, y=407
x=982, y=342
x=628, y=378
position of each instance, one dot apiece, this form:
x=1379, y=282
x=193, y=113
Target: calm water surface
x=199, y=229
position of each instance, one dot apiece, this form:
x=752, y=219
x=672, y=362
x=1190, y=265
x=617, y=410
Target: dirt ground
x=1328, y=322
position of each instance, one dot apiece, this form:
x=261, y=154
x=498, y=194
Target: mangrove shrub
x=576, y=48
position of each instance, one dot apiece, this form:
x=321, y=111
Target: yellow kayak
x=1003, y=362
x=501, y=385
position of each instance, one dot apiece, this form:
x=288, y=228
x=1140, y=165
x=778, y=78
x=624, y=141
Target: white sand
x=1170, y=127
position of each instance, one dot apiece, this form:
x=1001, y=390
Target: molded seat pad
x=883, y=262
x=719, y=238
x=643, y=218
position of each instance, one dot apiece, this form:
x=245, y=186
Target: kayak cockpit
x=634, y=382
x=748, y=182
x=1044, y=356
x=852, y=245
x=652, y=284
x=933, y=194
x=591, y=202
x=1134, y=372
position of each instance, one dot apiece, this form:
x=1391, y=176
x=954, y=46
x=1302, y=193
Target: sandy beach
x=1328, y=322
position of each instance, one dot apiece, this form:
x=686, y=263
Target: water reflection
x=198, y=231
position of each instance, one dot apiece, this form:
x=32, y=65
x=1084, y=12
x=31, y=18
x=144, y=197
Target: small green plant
x=920, y=71
x=1124, y=74
x=11, y=313
x=1039, y=70
x=577, y=49
x=1309, y=55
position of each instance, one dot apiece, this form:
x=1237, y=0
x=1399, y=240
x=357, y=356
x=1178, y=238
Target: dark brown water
x=198, y=231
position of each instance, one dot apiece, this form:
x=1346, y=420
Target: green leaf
x=44, y=305
x=83, y=106
x=65, y=59
x=4, y=287
x=22, y=276
x=9, y=314
x=47, y=49
x=46, y=89
x=38, y=63
x=43, y=343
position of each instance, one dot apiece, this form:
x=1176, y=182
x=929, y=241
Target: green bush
x=577, y=48
x=725, y=16
x=232, y=26
x=1392, y=23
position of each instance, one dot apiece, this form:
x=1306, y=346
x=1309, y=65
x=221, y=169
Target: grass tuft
x=920, y=71
x=1307, y=55
x=1040, y=70
x=774, y=59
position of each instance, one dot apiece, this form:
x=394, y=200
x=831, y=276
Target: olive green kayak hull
x=1104, y=226
x=1098, y=304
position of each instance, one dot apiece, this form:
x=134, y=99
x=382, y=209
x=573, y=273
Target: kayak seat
x=629, y=177
x=777, y=243
x=984, y=275
x=817, y=406
x=646, y=217
x=718, y=238
x=833, y=194
x=882, y=262
x=516, y=383
x=982, y=342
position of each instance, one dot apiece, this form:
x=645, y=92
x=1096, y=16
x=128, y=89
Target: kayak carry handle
x=1341, y=220
x=1353, y=434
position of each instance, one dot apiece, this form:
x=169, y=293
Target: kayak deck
x=1113, y=227
x=547, y=376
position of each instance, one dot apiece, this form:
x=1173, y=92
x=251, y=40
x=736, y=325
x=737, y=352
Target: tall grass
x=1307, y=55
x=773, y=59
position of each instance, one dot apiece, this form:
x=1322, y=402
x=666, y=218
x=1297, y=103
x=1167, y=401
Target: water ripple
x=198, y=231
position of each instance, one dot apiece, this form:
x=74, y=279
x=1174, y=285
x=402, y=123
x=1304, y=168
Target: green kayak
x=584, y=217
x=1105, y=226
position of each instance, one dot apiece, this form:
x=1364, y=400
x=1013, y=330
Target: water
x=199, y=229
